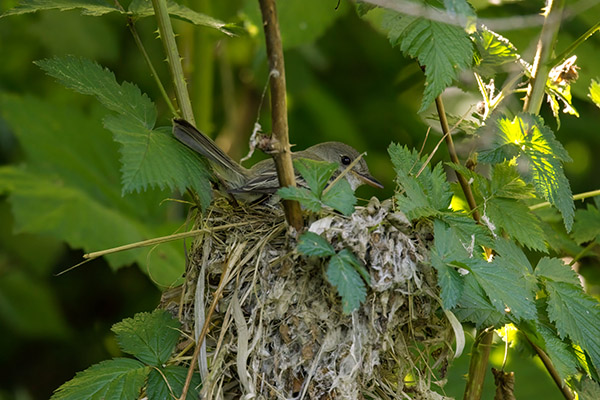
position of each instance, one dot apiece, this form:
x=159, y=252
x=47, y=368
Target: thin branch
x=569, y=50
x=541, y=67
x=168, y=39
x=579, y=196
x=480, y=355
x=281, y=141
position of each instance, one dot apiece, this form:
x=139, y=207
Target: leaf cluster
x=151, y=339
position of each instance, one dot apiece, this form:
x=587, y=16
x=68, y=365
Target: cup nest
x=278, y=331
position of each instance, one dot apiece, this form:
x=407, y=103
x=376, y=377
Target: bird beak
x=369, y=180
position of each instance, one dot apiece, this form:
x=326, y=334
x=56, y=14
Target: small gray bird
x=261, y=179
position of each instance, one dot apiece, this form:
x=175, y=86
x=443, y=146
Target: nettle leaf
x=305, y=197
x=167, y=383
x=528, y=138
x=349, y=258
x=88, y=7
x=518, y=221
x=315, y=173
x=424, y=195
x=350, y=286
x=340, y=197
x=594, y=93
x=445, y=250
x=493, y=51
x=311, y=244
x=576, y=315
x=119, y=378
x=506, y=182
x=151, y=337
x=88, y=77
x=154, y=158
x=556, y=270
x=443, y=49
x=475, y=306
x=587, y=225
x=469, y=233
x=561, y=353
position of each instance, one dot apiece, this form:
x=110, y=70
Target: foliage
x=150, y=338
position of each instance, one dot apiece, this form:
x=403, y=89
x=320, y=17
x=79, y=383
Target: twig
x=541, y=67
x=569, y=50
x=579, y=196
x=168, y=39
x=480, y=354
x=281, y=141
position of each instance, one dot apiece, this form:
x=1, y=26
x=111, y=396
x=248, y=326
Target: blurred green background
x=345, y=83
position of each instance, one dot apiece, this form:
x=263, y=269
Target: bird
x=261, y=179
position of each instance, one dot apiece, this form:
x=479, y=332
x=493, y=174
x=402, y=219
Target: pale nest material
x=278, y=331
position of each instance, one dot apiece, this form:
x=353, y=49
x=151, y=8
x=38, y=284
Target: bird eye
x=346, y=160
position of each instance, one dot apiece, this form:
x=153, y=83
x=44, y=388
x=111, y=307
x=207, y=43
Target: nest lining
x=278, y=331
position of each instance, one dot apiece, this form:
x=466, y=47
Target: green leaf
x=594, y=93
x=306, y=198
x=350, y=286
x=506, y=182
x=340, y=197
x=72, y=182
x=446, y=249
x=88, y=7
x=144, y=8
x=154, y=158
x=560, y=353
x=587, y=225
x=349, y=258
x=159, y=389
x=527, y=137
x=311, y=244
x=493, y=51
x=556, y=270
x=518, y=221
x=315, y=173
x=150, y=337
x=420, y=196
x=88, y=77
x=468, y=232
x=119, y=378
x=444, y=50
x=576, y=315
x=475, y=306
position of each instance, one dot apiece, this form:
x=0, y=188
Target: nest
x=278, y=331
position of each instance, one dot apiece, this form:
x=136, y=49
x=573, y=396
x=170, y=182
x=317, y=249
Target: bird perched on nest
x=261, y=179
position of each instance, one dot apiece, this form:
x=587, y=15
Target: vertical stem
x=281, y=142
x=168, y=38
x=541, y=64
x=480, y=354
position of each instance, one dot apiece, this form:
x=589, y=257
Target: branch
x=281, y=141
x=168, y=38
x=566, y=392
x=541, y=64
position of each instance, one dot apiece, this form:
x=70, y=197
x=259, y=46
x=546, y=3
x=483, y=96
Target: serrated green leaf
x=144, y=8
x=88, y=7
x=311, y=244
x=443, y=49
x=348, y=283
x=150, y=337
x=576, y=315
x=527, y=136
x=88, y=77
x=518, y=221
x=475, y=306
x=348, y=257
x=306, y=198
x=506, y=182
x=587, y=225
x=340, y=197
x=445, y=250
x=72, y=181
x=559, y=352
x=493, y=50
x=119, y=378
x=556, y=270
x=470, y=234
x=159, y=389
x=594, y=93
x=315, y=173
x=424, y=195
x=154, y=158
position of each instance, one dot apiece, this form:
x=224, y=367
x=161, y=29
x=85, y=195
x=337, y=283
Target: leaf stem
x=541, y=67
x=140, y=45
x=480, y=354
x=168, y=39
x=569, y=50
x=281, y=141
x=579, y=196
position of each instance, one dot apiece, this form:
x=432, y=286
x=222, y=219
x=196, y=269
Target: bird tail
x=225, y=167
